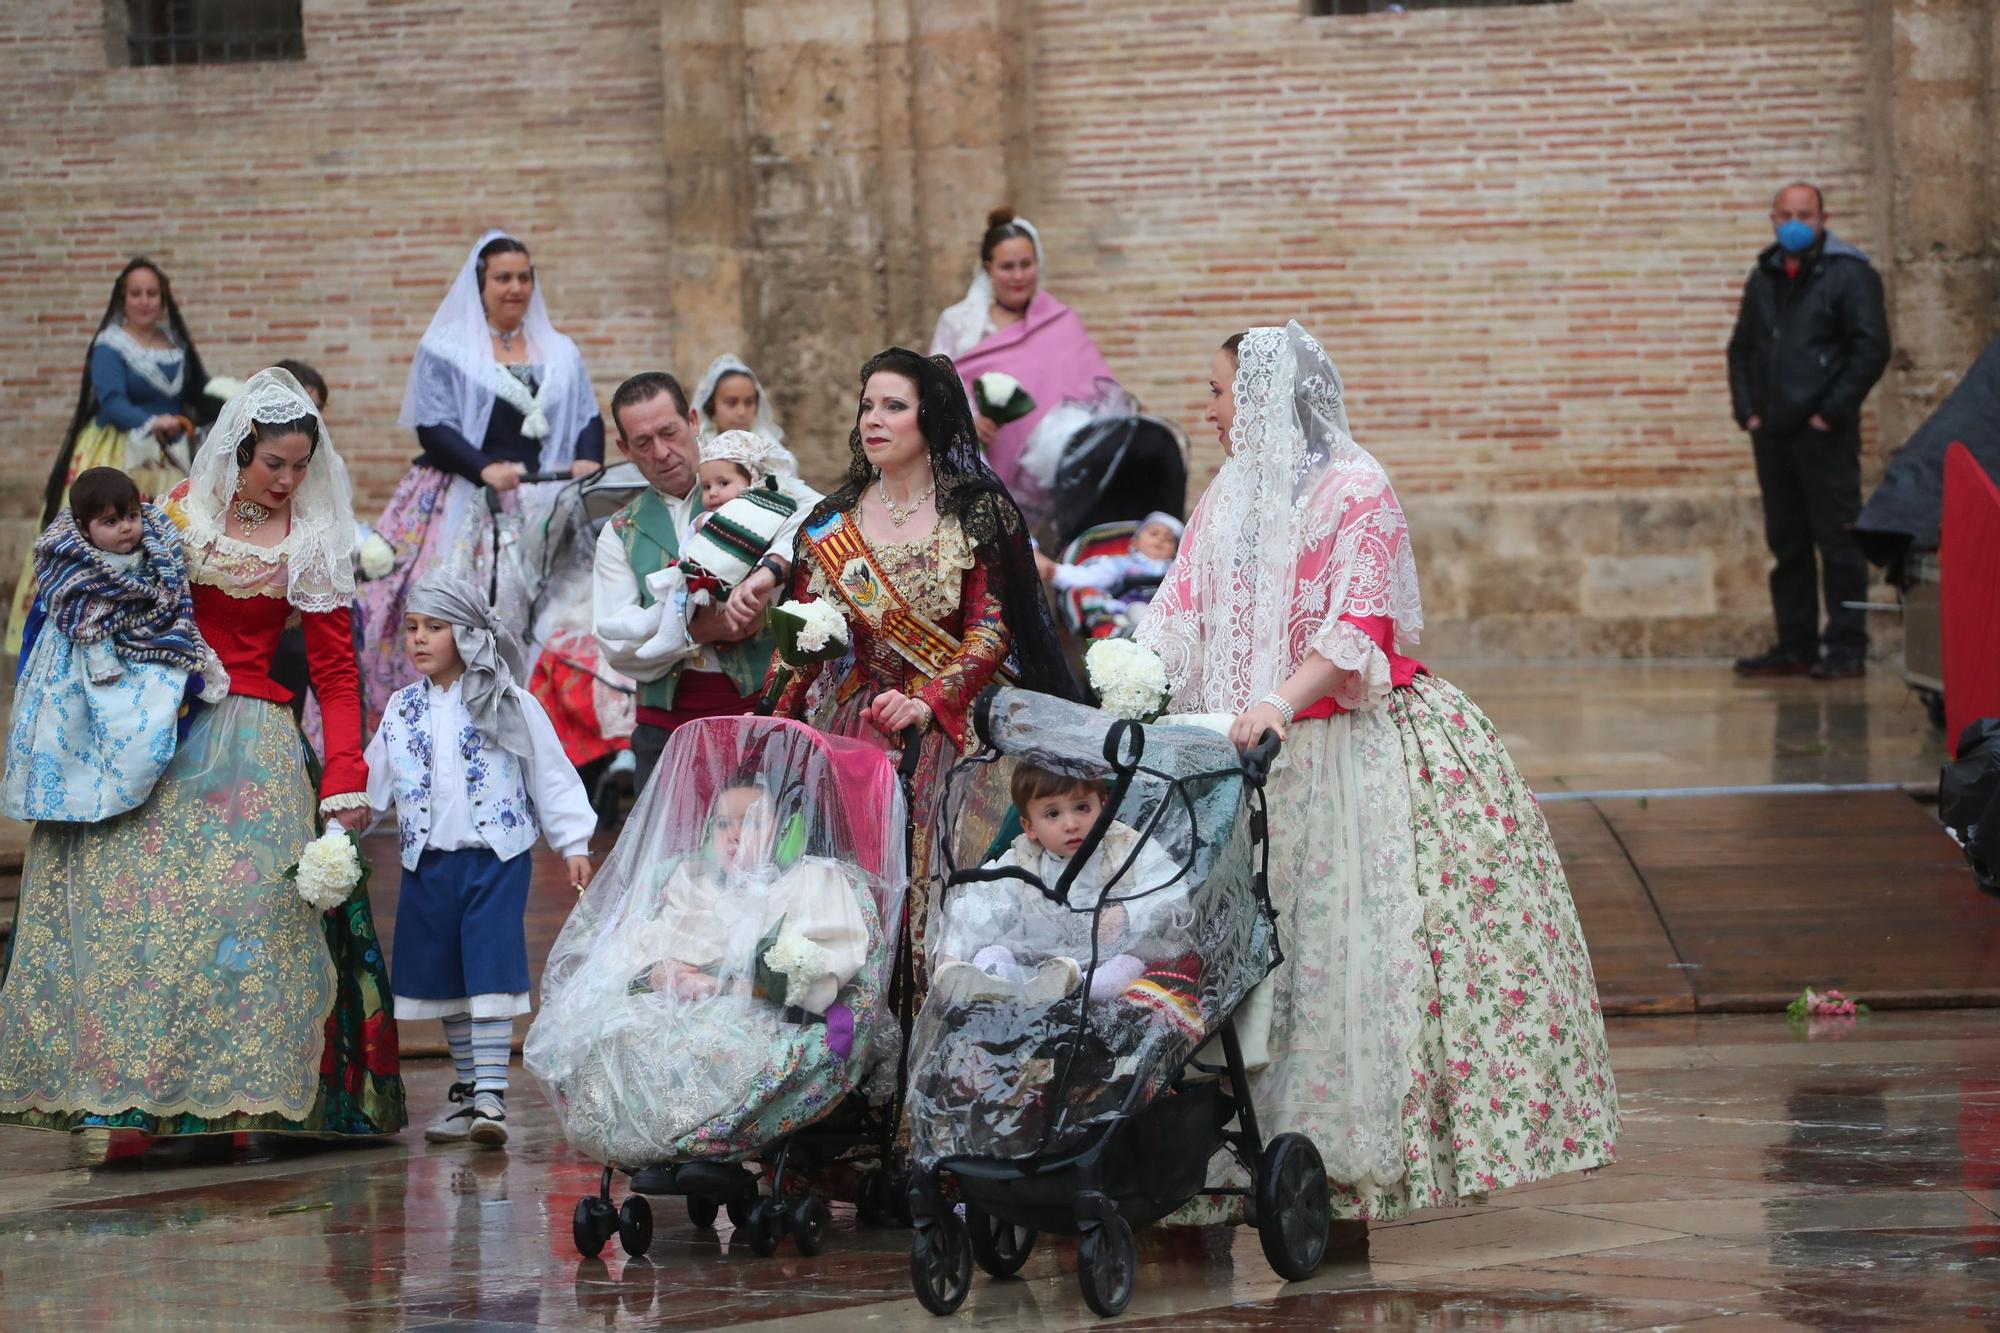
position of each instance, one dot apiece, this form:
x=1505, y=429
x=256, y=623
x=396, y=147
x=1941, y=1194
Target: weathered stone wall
x=1522, y=232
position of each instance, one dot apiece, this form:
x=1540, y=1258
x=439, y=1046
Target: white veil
x=1298, y=528
x=729, y=363
x=964, y=326
x=454, y=378
x=319, y=549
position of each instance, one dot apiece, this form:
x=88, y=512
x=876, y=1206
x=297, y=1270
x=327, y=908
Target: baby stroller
x=1117, y=468
x=1090, y=614
x=721, y=988
x=1093, y=1112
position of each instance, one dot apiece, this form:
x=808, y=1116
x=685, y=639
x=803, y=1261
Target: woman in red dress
x=166, y=975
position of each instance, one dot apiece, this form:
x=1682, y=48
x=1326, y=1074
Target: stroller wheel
x=702, y=1211
x=1293, y=1209
x=635, y=1225
x=761, y=1228
x=809, y=1223
x=941, y=1264
x=998, y=1247
x=591, y=1225
x=1107, y=1264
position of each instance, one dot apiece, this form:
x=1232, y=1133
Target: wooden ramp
x=1736, y=903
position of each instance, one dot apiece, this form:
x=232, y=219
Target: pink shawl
x=1052, y=355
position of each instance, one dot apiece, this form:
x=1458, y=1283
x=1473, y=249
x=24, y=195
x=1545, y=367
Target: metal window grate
x=212, y=32
x=1354, y=8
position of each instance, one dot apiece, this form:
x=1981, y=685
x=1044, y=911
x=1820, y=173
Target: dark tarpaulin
x=1905, y=508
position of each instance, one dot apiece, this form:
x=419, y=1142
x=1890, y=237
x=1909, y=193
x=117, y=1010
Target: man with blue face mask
x=1811, y=340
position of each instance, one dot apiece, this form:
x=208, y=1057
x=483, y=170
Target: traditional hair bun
x=1000, y=216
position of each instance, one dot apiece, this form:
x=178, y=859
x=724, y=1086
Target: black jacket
x=1814, y=343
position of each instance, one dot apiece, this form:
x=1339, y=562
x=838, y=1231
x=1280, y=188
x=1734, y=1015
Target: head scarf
x=1298, y=529
x=968, y=491
x=1164, y=519
x=319, y=547
x=754, y=452
x=491, y=654
x=964, y=326
x=454, y=378
x=766, y=421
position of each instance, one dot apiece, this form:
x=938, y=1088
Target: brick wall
x=1521, y=234
x=320, y=209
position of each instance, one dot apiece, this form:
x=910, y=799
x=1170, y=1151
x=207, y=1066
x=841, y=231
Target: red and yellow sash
x=849, y=565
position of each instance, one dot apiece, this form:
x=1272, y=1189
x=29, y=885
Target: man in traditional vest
x=658, y=433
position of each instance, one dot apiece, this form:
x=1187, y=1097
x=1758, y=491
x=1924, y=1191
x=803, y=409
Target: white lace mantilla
x=1299, y=529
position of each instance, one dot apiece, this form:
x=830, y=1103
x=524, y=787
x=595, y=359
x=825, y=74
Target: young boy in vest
x=474, y=769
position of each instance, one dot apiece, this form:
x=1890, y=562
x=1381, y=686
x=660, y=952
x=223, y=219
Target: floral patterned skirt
x=1491, y=1045
x=165, y=977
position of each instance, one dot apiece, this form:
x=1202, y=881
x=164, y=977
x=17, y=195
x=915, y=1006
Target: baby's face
x=117, y=533
x=721, y=482
x=1156, y=541
x=741, y=827
x=1061, y=822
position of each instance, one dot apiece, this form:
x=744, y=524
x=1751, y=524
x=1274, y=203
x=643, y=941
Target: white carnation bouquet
x=328, y=871
x=807, y=632
x=1000, y=398
x=1129, y=681
x=789, y=964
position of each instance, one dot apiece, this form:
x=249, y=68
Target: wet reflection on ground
x=1846, y=1180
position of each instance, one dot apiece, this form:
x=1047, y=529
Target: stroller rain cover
x=1064, y=993
x=723, y=981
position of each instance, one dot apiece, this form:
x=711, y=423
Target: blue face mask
x=1796, y=237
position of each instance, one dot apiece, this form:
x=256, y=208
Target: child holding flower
x=473, y=766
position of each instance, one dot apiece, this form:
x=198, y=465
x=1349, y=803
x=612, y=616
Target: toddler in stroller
x=721, y=986
x=1087, y=1111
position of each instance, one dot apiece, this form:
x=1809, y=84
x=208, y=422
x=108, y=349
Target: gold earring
x=239, y=484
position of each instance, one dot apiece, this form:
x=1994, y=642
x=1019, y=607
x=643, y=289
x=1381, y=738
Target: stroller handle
x=527, y=479
x=1257, y=760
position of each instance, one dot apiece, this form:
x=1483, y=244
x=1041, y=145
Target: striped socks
x=492, y=1044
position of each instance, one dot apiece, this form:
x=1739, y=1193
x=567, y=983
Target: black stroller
x=1116, y=468
x=1089, y=1099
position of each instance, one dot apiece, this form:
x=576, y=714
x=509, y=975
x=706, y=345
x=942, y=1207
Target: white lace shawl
x=1299, y=528
x=454, y=378
x=319, y=549
x=149, y=363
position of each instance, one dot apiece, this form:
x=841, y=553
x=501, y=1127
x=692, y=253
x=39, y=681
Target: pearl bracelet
x=1277, y=701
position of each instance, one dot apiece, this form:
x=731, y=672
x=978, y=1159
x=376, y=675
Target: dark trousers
x=1811, y=482
x=648, y=742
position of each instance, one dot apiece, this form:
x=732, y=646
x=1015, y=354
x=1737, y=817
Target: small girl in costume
x=474, y=769
x=109, y=660
x=1006, y=939
x=716, y=1002
x=750, y=490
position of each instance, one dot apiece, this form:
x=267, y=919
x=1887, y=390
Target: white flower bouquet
x=372, y=553
x=329, y=869
x=1129, y=681
x=807, y=632
x=1000, y=398
x=222, y=387
x=788, y=965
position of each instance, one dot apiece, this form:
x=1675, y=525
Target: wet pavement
x=1771, y=1177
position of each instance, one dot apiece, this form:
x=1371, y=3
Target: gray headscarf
x=491, y=653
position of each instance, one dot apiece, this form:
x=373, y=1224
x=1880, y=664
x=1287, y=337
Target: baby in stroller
x=996, y=931
x=721, y=983
x=1113, y=589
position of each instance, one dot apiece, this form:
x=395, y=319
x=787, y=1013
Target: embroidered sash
x=837, y=547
